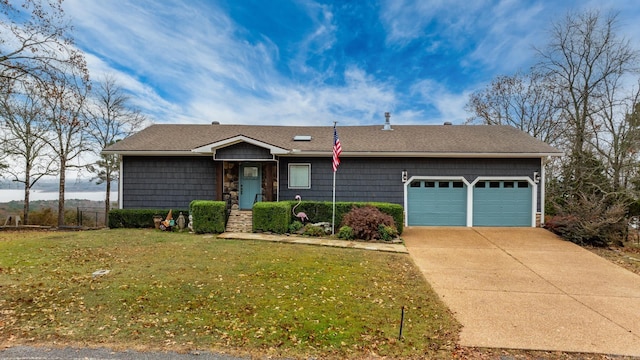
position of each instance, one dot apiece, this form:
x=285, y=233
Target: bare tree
x=64, y=99
x=587, y=61
x=525, y=101
x=34, y=41
x=617, y=137
x=110, y=117
x=22, y=115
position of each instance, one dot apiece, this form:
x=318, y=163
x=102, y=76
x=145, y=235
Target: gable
x=242, y=151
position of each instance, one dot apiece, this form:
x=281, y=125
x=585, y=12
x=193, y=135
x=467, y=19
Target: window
x=429, y=184
x=415, y=184
x=299, y=176
x=494, y=184
x=443, y=184
x=508, y=184
x=250, y=172
x=458, y=184
x=481, y=184
x=523, y=184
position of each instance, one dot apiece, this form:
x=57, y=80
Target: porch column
x=268, y=175
x=219, y=180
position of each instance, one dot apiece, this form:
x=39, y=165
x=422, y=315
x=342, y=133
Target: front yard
x=187, y=292
x=183, y=292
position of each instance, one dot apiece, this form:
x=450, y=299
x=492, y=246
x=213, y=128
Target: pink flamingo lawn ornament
x=302, y=216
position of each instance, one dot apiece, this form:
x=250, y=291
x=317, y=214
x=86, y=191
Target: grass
x=186, y=292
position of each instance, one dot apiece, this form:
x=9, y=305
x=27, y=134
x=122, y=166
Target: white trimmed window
x=299, y=176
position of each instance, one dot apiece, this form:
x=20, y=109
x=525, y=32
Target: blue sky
x=306, y=62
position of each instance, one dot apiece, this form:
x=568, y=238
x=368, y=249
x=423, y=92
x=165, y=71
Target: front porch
x=243, y=183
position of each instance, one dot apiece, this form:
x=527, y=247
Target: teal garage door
x=502, y=203
x=437, y=203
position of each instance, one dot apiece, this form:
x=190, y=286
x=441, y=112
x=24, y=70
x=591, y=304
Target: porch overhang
x=211, y=148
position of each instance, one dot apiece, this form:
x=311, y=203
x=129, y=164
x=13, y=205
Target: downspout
x=277, y=178
x=406, y=203
x=470, y=187
x=120, y=186
x=543, y=179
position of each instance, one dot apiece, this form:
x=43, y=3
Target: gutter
x=386, y=154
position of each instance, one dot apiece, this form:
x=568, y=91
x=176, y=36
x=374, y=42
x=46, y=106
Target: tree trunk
x=25, y=215
x=107, y=201
x=63, y=166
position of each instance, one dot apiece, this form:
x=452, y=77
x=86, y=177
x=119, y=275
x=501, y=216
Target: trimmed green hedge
x=321, y=211
x=140, y=218
x=272, y=216
x=208, y=216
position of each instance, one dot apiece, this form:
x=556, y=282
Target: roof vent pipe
x=387, y=124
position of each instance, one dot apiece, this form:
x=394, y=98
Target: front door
x=250, y=184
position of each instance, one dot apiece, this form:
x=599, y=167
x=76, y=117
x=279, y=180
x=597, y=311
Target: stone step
x=240, y=221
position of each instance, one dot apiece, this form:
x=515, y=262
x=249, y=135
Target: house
x=453, y=175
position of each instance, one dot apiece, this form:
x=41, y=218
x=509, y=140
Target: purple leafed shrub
x=365, y=222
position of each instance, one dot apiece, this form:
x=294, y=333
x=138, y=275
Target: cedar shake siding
x=379, y=179
x=243, y=151
x=167, y=182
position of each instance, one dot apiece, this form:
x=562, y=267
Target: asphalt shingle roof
x=419, y=139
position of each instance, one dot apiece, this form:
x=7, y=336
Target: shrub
x=139, y=218
x=321, y=211
x=208, y=216
x=272, y=216
x=589, y=220
x=345, y=233
x=312, y=230
x=365, y=222
x=44, y=217
x=49, y=217
x=396, y=211
x=387, y=233
x=295, y=226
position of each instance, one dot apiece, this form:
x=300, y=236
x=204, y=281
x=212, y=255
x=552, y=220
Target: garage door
x=436, y=203
x=502, y=203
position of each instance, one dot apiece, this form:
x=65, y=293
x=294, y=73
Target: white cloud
x=361, y=100
x=449, y=105
x=190, y=62
x=214, y=75
x=407, y=20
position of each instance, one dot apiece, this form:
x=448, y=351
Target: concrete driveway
x=524, y=288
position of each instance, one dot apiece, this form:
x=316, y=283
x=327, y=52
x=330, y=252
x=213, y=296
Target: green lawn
x=185, y=292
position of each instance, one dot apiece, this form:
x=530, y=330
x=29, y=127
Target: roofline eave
x=152, y=153
x=300, y=153
x=295, y=153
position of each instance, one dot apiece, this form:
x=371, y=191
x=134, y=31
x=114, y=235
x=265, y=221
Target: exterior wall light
x=536, y=177
x=405, y=176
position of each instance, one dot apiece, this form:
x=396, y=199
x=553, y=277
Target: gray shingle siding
x=167, y=182
x=380, y=179
x=243, y=151
x=173, y=182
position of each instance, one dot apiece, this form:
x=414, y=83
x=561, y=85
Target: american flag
x=337, y=149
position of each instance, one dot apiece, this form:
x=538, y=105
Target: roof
x=370, y=140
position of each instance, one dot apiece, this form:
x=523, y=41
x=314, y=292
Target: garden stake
x=401, y=323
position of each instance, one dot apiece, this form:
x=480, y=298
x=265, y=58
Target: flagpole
x=333, y=216
x=333, y=219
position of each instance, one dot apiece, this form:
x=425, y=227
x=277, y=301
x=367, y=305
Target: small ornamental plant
x=345, y=233
x=312, y=230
